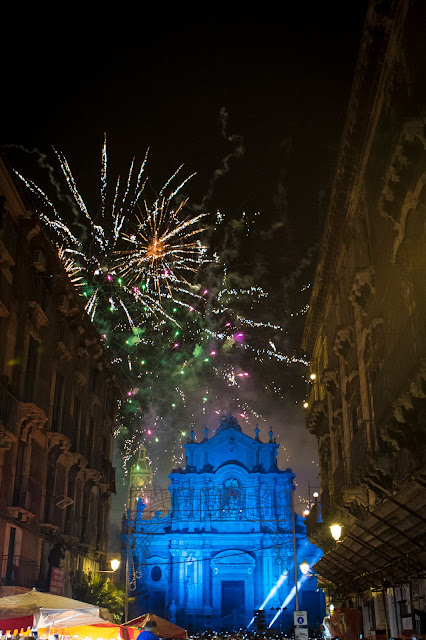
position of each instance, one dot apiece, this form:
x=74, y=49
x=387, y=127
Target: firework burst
x=163, y=249
x=131, y=254
x=190, y=351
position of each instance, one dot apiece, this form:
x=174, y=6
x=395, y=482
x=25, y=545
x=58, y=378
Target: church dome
x=228, y=422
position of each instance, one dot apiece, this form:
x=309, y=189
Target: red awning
x=20, y=624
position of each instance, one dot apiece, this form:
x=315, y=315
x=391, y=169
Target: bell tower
x=140, y=485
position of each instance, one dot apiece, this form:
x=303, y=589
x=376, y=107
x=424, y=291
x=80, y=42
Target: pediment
x=232, y=437
x=232, y=556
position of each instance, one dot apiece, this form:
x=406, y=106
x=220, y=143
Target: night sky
x=168, y=79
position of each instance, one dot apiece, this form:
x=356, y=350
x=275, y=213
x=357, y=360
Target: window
x=232, y=502
x=76, y=421
x=95, y=380
x=30, y=370
x=156, y=573
x=57, y=402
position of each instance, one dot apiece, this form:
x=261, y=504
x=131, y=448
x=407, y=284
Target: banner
x=57, y=581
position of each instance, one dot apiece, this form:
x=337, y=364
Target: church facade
x=227, y=545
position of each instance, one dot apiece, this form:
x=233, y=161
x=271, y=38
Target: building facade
x=58, y=400
x=365, y=333
x=227, y=546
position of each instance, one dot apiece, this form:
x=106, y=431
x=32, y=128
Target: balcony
x=5, y=291
x=341, y=477
x=66, y=425
x=72, y=528
x=360, y=448
x=317, y=420
x=400, y=367
x=95, y=459
x=43, y=395
x=8, y=234
x=9, y=409
x=19, y=571
x=89, y=537
x=36, y=391
x=64, y=341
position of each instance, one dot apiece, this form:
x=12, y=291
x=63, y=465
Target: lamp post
x=129, y=529
x=294, y=551
x=115, y=563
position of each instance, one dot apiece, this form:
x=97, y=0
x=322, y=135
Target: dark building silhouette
x=58, y=398
x=365, y=333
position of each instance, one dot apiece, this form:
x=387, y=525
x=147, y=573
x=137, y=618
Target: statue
x=172, y=610
x=190, y=591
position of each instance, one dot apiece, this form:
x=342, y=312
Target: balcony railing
x=19, y=571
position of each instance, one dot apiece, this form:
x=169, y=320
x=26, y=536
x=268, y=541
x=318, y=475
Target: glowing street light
x=304, y=568
x=115, y=563
x=336, y=531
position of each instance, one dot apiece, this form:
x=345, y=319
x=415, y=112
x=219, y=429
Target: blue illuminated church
x=226, y=547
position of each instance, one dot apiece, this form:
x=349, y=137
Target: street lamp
x=115, y=564
x=336, y=531
x=304, y=568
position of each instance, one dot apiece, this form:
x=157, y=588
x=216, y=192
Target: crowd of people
x=150, y=632
x=243, y=634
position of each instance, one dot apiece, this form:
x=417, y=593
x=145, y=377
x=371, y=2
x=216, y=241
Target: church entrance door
x=233, y=597
x=158, y=603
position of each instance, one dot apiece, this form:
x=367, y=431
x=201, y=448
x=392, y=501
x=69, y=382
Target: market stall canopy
x=69, y=618
x=14, y=625
x=48, y=609
x=388, y=545
x=165, y=629
x=105, y=631
x=6, y=591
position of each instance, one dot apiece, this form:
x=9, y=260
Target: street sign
x=301, y=619
x=301, y=633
